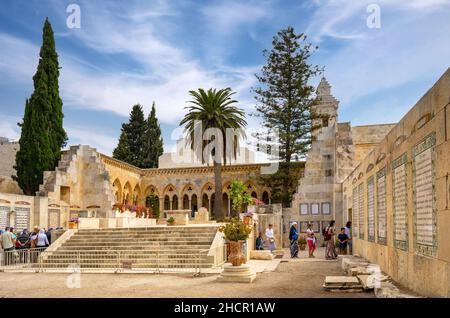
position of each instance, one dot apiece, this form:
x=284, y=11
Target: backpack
x=326, y=235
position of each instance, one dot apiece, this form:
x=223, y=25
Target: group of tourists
x=11, y=240
x=270, y=239
x=330, y=236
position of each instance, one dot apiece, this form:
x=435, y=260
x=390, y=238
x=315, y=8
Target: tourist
x=343, y=240
x=330, y=233
x=33, y=239
x=41, y=240
x=7, y=240
x=259, y=242
x=49, y=235
x=348, y=232
x=311, y=240
x=293, y=237
x=23, y=240
x=270, y=238
x=11, y=229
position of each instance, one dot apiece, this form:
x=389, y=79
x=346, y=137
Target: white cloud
x=8, y=127
x=227, y=16
x=93, y=137
x=407, y=47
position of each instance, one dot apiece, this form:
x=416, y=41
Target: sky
x=130, y=52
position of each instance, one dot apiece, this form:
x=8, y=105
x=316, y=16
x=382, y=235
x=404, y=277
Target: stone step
x=140, y=242
x=131, y=247
x=133, y=266
x=139, y=239
x=149, y=243
x=143, y=231
x=108, y=252
x=132, y=234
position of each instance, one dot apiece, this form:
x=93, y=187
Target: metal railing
x=23, y=259
x=123, y=261
x=128, y=261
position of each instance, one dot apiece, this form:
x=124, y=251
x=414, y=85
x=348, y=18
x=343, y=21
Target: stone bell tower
x=317, y=198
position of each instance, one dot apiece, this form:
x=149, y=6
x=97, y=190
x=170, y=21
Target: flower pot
x=302, y=247
x=236, y=256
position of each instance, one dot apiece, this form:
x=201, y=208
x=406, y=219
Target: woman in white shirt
x=311, y=240
x=270, y=238
x=42, y=240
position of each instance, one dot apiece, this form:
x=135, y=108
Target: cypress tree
x=42, y=135
x=153, y=143
x=131, y=140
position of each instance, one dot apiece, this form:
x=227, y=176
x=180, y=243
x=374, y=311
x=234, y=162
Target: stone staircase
x=80, y=160
x=153, y=248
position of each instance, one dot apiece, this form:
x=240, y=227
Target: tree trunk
x=218, y=213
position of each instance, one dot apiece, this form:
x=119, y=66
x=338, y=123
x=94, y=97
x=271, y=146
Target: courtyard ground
x=292, y=278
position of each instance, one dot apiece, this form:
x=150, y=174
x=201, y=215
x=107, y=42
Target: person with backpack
x=329, y=233
x=293, y=237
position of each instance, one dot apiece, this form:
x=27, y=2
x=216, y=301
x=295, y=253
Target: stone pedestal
x=237, y=274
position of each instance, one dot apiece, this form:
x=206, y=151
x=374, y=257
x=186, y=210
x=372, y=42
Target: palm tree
x=214, y=109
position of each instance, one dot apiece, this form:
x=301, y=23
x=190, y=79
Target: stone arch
x=194, y=203
x=189, y=190
x=117, y=188
x=265, y=196
x=186, y=203
x=251, y=187
x=175, y=202
x=226, y=204
x=127, y=193
x=170, y=190
x=151, y=189
x=137, y=195
x=226, y=187
x=208, y=188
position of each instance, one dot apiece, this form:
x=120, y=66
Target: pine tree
x=286, y=99
x=42, y=135
x=153, y=143
x=131, y=141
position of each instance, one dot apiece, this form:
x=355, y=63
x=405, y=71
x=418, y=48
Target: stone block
x=201, y=216
x=181, y=216
x=261, y=255
x=237, y=274
x=333, y=283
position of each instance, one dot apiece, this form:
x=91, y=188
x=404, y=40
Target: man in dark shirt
x=23, y=240
x=343, y=240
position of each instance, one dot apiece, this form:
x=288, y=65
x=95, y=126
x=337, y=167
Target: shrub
x=236, y=230
x=171, y=220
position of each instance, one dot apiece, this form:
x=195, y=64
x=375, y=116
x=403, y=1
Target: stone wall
x=8, y=152
x=398, y=197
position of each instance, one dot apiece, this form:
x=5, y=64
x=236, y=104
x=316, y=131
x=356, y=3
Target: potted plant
x=302, y=243
x=236, y=232
x=170, y=221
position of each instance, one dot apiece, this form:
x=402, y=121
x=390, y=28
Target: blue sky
x=129, y=52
